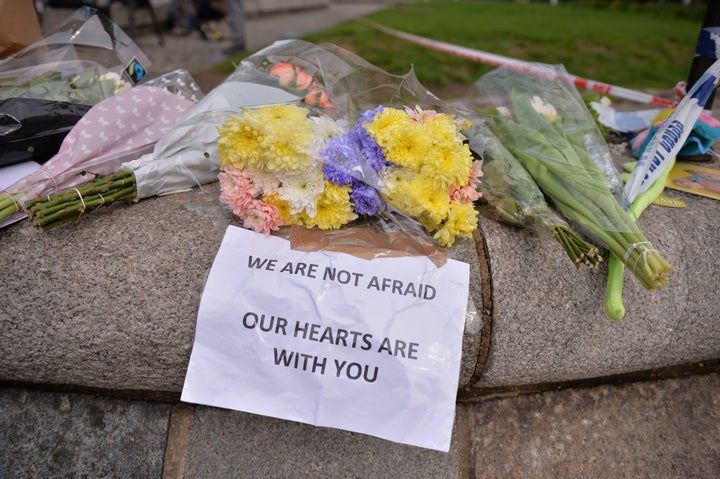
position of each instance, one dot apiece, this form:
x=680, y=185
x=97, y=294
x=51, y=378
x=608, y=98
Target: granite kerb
x=110, y=302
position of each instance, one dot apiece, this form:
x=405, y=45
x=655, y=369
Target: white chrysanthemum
x=301, y=190
x=325, y=128
x=265, y=182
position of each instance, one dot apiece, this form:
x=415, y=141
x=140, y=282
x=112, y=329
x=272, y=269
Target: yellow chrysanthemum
x=284, y=209
x=462, y=220
x=333, y=208
x=238, y=143
x=419, y=198
x=272, y=138
x=449, y=164
x=402, y=140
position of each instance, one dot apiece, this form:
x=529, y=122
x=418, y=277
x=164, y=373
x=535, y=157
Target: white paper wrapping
x=186, y=157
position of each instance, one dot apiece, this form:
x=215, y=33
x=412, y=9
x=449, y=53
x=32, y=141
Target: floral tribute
x=280, y=165
x=293, y=77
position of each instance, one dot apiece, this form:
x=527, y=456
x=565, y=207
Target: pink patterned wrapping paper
x=116, y=130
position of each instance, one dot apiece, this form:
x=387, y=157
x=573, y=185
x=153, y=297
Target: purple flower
x=371, y=151
x=341, y=156
x=335, y=175
x=369, y=115
x=366, y=199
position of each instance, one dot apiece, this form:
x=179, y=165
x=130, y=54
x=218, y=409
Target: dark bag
x=33, y=129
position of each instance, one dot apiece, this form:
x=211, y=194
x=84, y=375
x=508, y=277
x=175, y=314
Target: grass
x=635, y=45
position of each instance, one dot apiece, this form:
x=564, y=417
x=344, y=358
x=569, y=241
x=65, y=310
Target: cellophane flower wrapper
x=82, y=60
x=113, y=132
x=184, y=157
x=557, y=100
x=46, y=87
x=359, y=144
x=511, y=196
x=543, y=121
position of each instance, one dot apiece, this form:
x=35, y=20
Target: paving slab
x=62, y=435
x=231, y=444
x=664, y=429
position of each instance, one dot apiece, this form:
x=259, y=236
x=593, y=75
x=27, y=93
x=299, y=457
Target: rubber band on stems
x=17, y=205
x=645, y=251
x=81, y=200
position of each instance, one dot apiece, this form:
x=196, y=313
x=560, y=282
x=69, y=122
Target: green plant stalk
x=648, y=266
x=50, y=204
x=614, y=306
x=9, y=204
x=572, y=152
x=68, y=205
x=510, y=189
x=73, y=211
x=580, y=177
x=579, y=250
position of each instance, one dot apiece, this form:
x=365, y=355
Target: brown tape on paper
x=366, y=244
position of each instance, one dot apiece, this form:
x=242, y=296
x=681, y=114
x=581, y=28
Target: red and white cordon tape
x=527, y=67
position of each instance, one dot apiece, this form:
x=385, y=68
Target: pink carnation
x=466, y=194
x=236, y=189
x=418, y=115
x=262, y=217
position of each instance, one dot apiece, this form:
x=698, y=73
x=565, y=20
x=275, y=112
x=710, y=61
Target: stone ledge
x=110, y=302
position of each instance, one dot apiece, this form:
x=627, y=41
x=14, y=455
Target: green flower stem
x=54, y=210
x=614, y=306
x=9, y=204
x=579, y=250
x=579, y=190
x=515, y=196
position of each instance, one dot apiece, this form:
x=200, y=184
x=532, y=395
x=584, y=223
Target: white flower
x=503, y=111
x=325, y=128
x=544, y=108
x=120, y=84
x=301, y=190
x=265, y=182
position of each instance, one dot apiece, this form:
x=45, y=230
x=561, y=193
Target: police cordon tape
x=527, y=67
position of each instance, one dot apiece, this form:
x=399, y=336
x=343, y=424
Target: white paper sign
x=370, y=346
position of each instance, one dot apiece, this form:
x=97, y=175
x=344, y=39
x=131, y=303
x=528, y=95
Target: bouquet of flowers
x=550, y=131
x=510, y=195
x=185, y=156
x=289, y=123
x=112, y=132
x=282, y=166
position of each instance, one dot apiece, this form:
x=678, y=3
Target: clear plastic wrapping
x=364, y=143
x=112, y=132
x=548, y=128
x=46, y=87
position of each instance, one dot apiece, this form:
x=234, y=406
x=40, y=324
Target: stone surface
x=548, y=319
x=54, y=435
x=230, y=444
x=111, y=301
x=667, y=429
